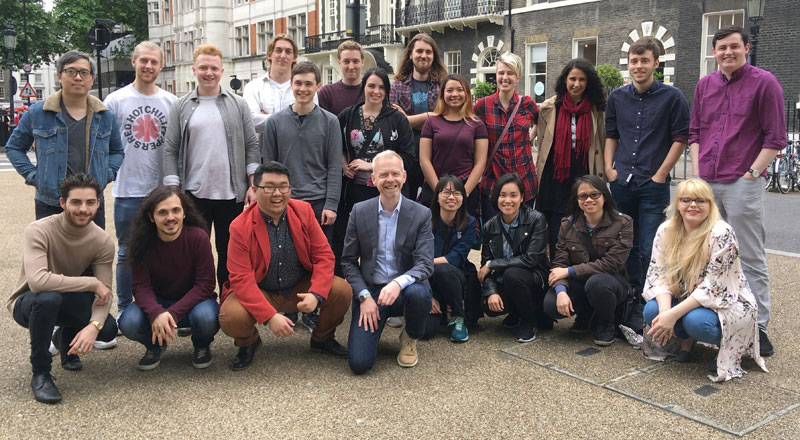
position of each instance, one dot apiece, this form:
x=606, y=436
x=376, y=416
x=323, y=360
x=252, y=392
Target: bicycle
x=790, y=164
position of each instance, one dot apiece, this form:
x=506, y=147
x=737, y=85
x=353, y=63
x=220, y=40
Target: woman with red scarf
x=571, y=137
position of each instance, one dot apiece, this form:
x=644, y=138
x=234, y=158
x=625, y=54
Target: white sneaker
x=100, y=345
x=53, y=349
x=395, y=321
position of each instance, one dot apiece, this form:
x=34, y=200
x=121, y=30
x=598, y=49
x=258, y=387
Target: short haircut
x=307, y=67
x=387, y=154
x=726, y=31
x=270, y=167
x=73, y=56
x=207, y=49
x=609, y=206
x=504, y=179
x=80, y=180
x=380, y=73
x=644, y=44
x=147, y=45
x=349, y=45
x=513, y=61
x=279, y=37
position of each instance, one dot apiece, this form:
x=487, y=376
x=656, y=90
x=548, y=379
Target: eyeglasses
x=593, y=195
x=72, y=72
x=269, y=189
x=688, y=201
x=448, y=193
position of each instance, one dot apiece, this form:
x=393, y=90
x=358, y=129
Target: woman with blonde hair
x=454, y=141
x=695, y=288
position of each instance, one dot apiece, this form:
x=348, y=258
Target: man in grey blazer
x=392, y=237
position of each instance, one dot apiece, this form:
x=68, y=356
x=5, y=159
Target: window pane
x=538, y=53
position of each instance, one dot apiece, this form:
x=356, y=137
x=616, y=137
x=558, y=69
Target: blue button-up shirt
x=386, y=261
x=645, y=125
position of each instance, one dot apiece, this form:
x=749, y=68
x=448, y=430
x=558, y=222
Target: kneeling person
x=173, y=278
x=54, y=290
x=279, y=261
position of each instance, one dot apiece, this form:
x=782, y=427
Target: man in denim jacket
x=73, y=132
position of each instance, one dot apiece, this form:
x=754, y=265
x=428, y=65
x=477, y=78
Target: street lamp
x=755, y=12
x=10, y=41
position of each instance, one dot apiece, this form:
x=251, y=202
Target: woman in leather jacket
x=514, y=262
x=590, y=282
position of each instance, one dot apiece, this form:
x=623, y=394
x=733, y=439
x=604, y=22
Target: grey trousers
x=741, y=204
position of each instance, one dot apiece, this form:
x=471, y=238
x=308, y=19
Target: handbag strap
x=502, y=136
x=455, y=138
x=587, y=242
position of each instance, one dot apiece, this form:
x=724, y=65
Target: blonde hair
x=274, y=40
x=685, y=254
x=207, y=49
x=349, y=45
x=147, y=45
x=388, y=154
x=513, y=61
x=466, y=111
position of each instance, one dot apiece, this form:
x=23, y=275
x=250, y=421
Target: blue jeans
x=700, y=324
x=124, y=210
x=414, y=302
x=202, y=319
x=645, y=204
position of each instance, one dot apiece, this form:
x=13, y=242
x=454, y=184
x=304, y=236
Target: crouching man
x=173, y=278
x=279, y=260
x=53, y=290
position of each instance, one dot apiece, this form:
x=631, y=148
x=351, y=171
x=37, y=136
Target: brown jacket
x=612, y=238
x=546, y=138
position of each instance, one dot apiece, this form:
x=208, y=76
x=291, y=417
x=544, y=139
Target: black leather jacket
x=529, y=244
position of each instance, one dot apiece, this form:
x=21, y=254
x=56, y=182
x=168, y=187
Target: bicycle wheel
x=784, y=178
x=769, y=181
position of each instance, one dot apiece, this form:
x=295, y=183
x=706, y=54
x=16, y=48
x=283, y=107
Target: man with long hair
x=54, y=288
x=173, y=278
x=415, y=91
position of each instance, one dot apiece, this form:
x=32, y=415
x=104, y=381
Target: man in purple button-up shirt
x=737, y=128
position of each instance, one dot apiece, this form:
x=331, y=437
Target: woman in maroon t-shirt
x=453, y=142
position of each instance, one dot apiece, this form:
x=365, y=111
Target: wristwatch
x=363, y=297
x=754, y=172
x=97, y=324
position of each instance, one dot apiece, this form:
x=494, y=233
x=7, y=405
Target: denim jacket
x=44, y=125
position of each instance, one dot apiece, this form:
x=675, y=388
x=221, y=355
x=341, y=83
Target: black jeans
x=447, y=284
x=220, y=213
x=553, y=226
x=40, y=312
x=600, y=293
x=318, y=206
x=521, y=292
x=44, y=210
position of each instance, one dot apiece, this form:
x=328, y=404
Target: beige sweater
x=56, y=254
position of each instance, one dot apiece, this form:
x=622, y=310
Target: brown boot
x=408, y=356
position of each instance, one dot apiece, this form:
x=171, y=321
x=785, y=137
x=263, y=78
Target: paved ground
x=491, y=387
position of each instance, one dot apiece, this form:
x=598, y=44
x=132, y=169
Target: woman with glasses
x=514, y=261
x=453, y=234
x=588, y=277
x=695, y=288
x=368, y=128
x=571, y=139
x=453, y=142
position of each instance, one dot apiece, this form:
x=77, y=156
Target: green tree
x=610, y=76
x=482, y=89
x=76, y=17
x=43, y=45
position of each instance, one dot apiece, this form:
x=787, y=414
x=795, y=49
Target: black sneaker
x=310, y=320
x=151, y=358
x=201, y=358
x=510, y=321
x=292, y=317
x=69, y=362
x=44, y=389
x=604, y=333
x=766, y=346
x=581, y=325
x=526, y=332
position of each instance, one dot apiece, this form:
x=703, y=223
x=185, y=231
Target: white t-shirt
x=208, y=166
x=142, y=121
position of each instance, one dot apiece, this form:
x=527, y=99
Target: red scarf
x=563, y=146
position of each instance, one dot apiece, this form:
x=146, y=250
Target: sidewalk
x=559, y=386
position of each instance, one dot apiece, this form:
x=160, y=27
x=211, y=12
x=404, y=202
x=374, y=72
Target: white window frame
x=452, y=61
x=241, y=40
x=168, y=53
x=577, y=41
x=297, y=29
x=332, y=17
x=2, y=75
x=154, y=13
x=528, y=75
x=265, y=30
x=705, y=45
x=2, y=93
x=166, y=11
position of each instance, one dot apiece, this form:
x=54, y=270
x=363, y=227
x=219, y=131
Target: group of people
x=371, y=193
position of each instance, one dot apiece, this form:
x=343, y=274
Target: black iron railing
x=379, y=34
x=430, y=11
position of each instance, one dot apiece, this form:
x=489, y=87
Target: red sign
x=28, y=92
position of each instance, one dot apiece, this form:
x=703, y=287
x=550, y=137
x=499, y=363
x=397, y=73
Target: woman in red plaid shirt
x=513, y=155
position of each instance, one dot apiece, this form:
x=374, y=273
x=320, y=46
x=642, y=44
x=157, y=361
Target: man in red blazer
x=279, y=261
